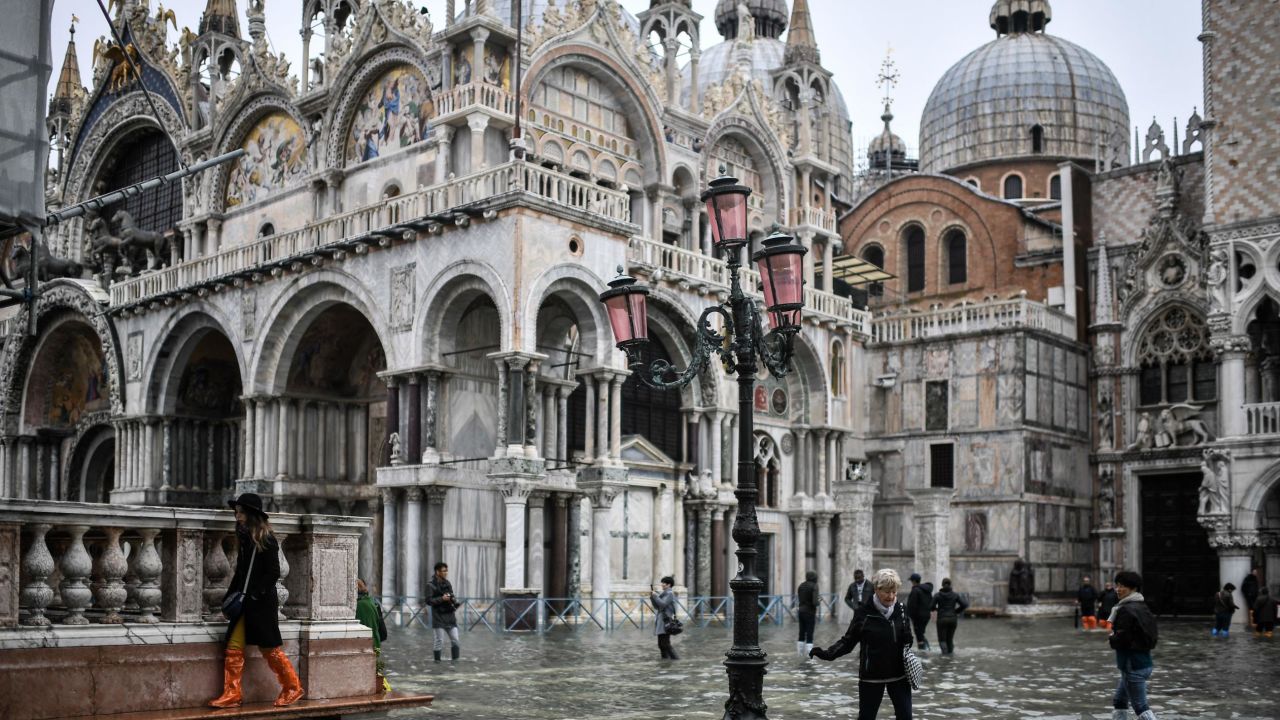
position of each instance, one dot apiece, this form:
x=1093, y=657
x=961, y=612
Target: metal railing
x=699, y=269
x=540, y=615
x=972, y=318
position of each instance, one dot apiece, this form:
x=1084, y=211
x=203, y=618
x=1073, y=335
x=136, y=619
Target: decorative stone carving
x=1154, y=142
x=217, y=573
x=76, y=566
x=1106, y=497
x=1178, y=421
x=394, y=442
x=1106, y=420
x=133, y=353
x=112, y=593
x=282, y=592
x=1215, y=487
x=1195, y=133
x=1143, y=437
x=403, y=299
x=37, y=565
x=1216, y=281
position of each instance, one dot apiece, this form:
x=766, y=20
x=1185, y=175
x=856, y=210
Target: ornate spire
x=69, y=80
x=1102, y=314
x=221, y=16
x=1013, y=17
x=802, y=46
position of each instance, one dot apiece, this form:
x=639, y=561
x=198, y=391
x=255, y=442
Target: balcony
x=1262, y=418
x=972, y=318
x=705, y=273
x=820, y=218
x=376, y=223
x=466, y=97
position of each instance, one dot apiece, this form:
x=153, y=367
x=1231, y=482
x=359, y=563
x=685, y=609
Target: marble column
x=932, y=515
x=250, y=433
x=532, y=399
x=806, y=239
x=431, y=453
x=854, y=544
x=6, y=474
x=802, y=461
x=615, y=418
x=393, y=414
x=693, y=425
x=704, y=550
x=323, y=449
x=389, y=512
x=478, y=123
x=500, y=433
x=444, y=155
x=589, y=443
x=341, y=413
x=517, y=425
x=413, y=545
x=562, y=425
x=822, y=528
x=558, y=577
x=573, y=526
x=799, y=547
x=821, y=438
x=150, y=454
x=548, y=424
x=1235, y=561
x=414, y=440
x=515, y=497
x=436, y=495
x=1231, y=397
x=719, y=577
x=601, y=557
x=535, y=566
x=602, y=418
x=716, y=459
x=283, y=451
x=828, y=256
x=664, y=515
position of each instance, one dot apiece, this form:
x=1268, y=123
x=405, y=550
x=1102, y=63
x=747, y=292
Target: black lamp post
x=782, y=278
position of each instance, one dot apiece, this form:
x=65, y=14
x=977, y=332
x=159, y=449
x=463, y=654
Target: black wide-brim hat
x=251, y=502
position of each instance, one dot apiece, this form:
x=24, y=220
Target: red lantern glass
x=781, y=265
x=727, y=211
x=626, y=304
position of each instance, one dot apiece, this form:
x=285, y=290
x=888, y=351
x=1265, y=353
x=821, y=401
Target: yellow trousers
x=237, y=637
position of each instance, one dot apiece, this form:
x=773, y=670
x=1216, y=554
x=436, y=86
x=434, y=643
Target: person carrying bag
x=665, y=623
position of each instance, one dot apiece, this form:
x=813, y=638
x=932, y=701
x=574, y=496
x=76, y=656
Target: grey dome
x=765, y=55
x=532, y=11
x=983, y=109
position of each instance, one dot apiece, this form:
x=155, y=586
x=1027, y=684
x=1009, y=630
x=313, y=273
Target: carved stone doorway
x=1179, y=569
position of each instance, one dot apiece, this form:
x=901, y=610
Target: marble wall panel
x=475, y=567
x=1009, y=398
x=965, y=358
x=473, y=514
x=1044, y=399
x=1033, y=398
x=632, y=536
x=912, y=406
x=938, y=361
x=964, y=405
x=1059, y=404
x=987, y=400
x=472, y=416
x=1012, y=351
x=987, y=357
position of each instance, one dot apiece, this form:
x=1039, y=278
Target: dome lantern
x=1012, y=17
x=770, y=18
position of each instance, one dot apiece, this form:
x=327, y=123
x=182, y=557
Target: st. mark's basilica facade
x=387, y=305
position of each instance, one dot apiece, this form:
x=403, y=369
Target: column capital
x=413, y=494
x=515, y=492
x=799, y=518
x=822, y=520
x=388, y=496
x=1231, y=344
x=436, y=494
x=413, y=378
x=931, y=501
x=538, y=498
x=477, y=122
x=515, y=358
x=479, y=34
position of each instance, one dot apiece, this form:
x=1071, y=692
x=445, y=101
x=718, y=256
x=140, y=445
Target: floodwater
x=1002, y=669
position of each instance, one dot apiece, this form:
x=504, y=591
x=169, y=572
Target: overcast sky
x=1150, y=45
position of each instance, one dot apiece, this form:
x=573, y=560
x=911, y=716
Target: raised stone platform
x=333, y=708
x=1041, y=609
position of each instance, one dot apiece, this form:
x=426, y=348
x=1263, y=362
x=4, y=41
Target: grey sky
x=1150, y=45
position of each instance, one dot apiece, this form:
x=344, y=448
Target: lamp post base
x=746, y=686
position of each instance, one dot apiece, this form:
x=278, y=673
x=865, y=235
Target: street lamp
x=738, y=346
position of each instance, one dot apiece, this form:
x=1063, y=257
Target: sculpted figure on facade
x=394, y=442
x=1022, y=583
x=1106, y=497
x=1106, y=419
x=1142, y=437
x=1216, y=280
x=1177, y=421
x=1215, y=485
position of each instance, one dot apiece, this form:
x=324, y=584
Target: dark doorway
x=1179, y=569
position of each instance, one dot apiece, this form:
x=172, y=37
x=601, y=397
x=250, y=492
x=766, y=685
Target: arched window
x=1175, y=360
x=392, y=190
x=913, y=248
x=1037, y=139
x=267, y=230
x=974, y=182
x=957, y=262
x=837, y=369
x=654, y=414
x=1055, y=187
x=1013, y=187
x=874, y=254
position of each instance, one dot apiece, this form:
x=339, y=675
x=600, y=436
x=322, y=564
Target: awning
x=856, y=271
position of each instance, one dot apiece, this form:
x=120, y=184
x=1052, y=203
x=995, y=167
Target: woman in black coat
x=949, y=606
x=882, y=627
x=257, y=570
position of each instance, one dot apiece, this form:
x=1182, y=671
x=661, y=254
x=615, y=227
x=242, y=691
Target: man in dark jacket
x=1133, y=635
x=949, y=606
x=1249, y=589
x=806, y=613
x=882, y=627
x=1105, y=604
x=1224, y=606
x=1087, y=602
x=859, y=592
x=919, y=605
x=443, y=603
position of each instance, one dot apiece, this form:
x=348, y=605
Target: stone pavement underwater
x=1002, y=669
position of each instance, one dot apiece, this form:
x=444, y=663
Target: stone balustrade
x=1262, y=418
x=477, y=94
x=706, y=273
x=979, y=317
x=567, y=129
x=75, y=564
x=353, y=230
x=820, y=218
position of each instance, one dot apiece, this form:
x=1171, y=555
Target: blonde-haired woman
x=257, y=570
x=881, y=626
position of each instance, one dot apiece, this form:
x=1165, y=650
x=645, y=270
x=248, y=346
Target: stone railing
x=384, y=218
x=703, y=271
x=972, y=318
x=89, y=564
x=814, y=217
x=572, y=131
x=470, y=95
x=1262, y=418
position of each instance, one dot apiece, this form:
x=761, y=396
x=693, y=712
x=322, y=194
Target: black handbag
x=382, y=623
x=233, y=603
x=672, y=626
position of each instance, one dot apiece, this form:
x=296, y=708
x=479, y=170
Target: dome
x=987, y=106
x=770, y=15
x=764, y=56
x=533, y=10
x=886, y=142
